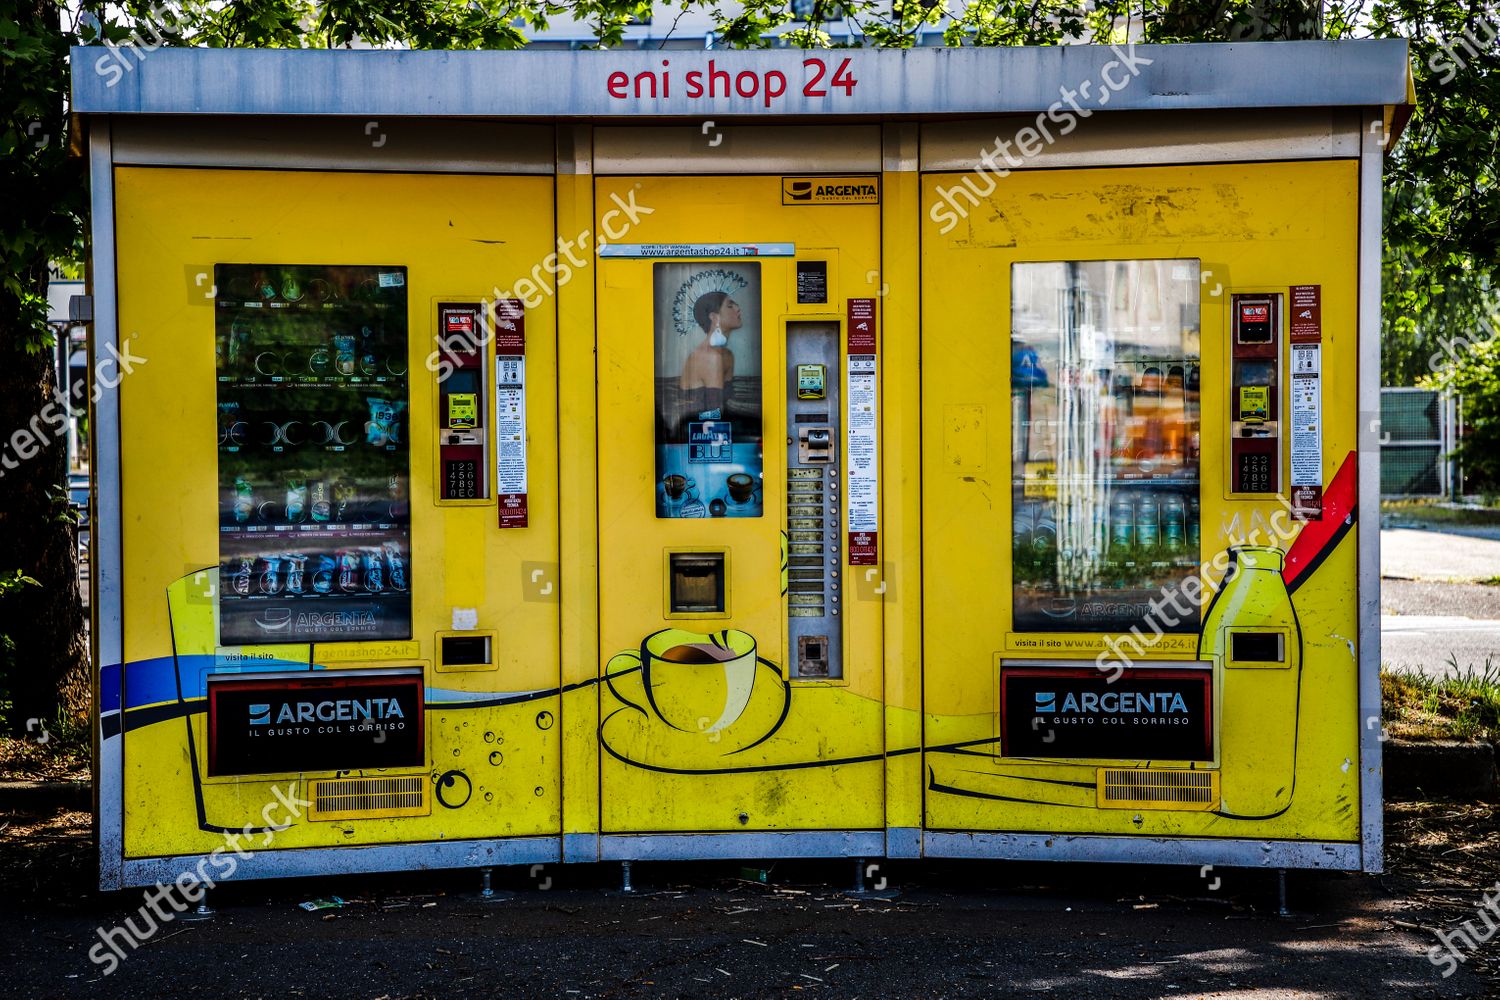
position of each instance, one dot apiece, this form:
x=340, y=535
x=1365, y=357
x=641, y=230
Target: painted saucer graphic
x=685, y=697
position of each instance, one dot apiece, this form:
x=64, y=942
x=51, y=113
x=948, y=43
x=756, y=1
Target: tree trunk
x=44, y=661
x=48, y=658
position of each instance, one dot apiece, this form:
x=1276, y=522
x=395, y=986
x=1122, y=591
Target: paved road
x=1434, y=617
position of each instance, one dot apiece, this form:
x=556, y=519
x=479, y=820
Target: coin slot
x=812, y=656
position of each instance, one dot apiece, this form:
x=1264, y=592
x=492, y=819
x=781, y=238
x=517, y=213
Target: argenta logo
x=274, y=619
x=1115, y=703
x=332, y=710
x=830, y=191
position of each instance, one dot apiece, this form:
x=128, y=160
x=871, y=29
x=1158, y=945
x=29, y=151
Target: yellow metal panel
x=899, y=581
x=1286, y=753
x=493, y=770
x=578, y=463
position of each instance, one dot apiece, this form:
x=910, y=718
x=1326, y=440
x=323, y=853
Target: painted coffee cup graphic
x=676, y=485
x=741, y=487
x=712, y=687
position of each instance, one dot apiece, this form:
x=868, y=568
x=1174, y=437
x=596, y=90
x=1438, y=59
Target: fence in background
x=1420, y=428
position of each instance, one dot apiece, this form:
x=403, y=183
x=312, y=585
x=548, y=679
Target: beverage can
x=374, y=570
x=396, y=565
x=296, y=570
x=324, y=571
x=348, y=570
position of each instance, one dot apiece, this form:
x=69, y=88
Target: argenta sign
x=323, y=722
x=1144, y=714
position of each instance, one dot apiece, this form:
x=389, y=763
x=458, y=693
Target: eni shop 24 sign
x=820, y=78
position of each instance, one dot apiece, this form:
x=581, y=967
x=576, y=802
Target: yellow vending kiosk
x=579, y=456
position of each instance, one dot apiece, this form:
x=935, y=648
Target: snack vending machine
x=328, y=601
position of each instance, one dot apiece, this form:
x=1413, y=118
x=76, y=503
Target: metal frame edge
x=105, y=557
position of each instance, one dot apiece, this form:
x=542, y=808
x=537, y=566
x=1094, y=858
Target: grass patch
x=1464, y=706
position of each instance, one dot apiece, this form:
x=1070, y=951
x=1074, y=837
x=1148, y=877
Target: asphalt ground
x=712, y=930
x=1435, y=617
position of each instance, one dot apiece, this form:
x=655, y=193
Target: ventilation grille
x=348, y=798
x=1137, y=788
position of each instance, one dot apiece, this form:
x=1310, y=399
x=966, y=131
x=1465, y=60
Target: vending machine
x=738, y=475
x=1144, y=482
x=867, y=455
x=336, y=462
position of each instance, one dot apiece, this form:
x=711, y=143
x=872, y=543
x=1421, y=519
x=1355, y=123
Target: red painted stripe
x=1318, y=537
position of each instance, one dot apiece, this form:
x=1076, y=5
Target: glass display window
x=314, y=511
x=1105, y=376
x=709, y=452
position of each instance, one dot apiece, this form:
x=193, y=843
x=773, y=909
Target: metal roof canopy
x=890, y=82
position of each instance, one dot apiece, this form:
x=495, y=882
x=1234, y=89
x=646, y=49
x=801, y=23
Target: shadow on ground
x=953, y=929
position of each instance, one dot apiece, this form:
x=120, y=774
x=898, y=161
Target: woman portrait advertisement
x=708, y=387
x=708, y=372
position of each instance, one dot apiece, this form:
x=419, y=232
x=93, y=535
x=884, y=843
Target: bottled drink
x=296, y=500
x=324, y=569
x=395, y=565
x=1173, y=523
x=244, y=499
x=239, y=576
x=348, y=570
x=1148, y=524
x=374, y=569
x=1194, y=535
x=1122, y=525
x=296, y=569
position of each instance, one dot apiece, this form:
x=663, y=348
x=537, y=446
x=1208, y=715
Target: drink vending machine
x=576, y=487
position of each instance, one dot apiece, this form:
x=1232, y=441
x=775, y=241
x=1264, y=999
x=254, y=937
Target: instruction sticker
x=864, y=444
x=510, y=412
x=1307, y=432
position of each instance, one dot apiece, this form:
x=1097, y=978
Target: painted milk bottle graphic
x=1251, y=629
